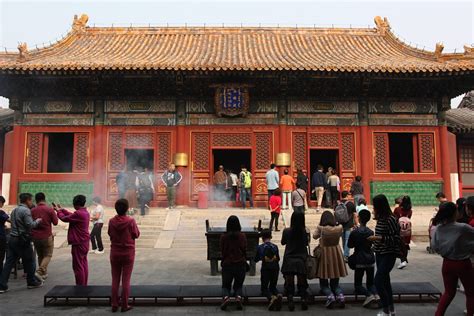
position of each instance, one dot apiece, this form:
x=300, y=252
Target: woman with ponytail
x=455, y=243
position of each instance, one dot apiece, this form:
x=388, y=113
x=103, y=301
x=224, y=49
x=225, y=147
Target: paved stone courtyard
x=177, y=255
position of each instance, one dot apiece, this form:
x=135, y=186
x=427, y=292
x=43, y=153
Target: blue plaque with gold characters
x=232, y=100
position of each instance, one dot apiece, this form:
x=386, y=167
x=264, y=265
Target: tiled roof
x=226, y=48
x=467, y=101
x=460, y=120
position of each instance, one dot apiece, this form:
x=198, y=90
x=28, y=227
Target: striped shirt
x=389, y=229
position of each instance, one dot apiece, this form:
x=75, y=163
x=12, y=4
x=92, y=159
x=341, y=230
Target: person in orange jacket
x=287, y=185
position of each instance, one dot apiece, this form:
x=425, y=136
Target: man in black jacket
x=319, y=183
x=171, y=178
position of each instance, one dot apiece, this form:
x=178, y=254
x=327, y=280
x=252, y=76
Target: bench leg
x=253, y=268
x=214, y=268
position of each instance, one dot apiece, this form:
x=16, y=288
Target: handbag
x=313, y=261
x=247, y=267
x=312, y=264
x=351, y=261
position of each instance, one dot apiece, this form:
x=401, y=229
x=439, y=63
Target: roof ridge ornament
x=469, y=50
x=79, y=24
x=438, y=50
x=23, y=52
x=382, y=24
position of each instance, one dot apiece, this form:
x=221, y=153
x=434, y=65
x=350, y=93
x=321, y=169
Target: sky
x=421, y=23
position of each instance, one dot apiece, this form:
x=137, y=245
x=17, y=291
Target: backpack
x=247, y=180
x=269, y=254
x=144, y=180
x=405, y=226
x=341, y=214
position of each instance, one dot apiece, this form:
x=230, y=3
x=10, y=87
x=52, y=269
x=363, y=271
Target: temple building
x=103, y=99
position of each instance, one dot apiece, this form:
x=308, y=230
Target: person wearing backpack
x=345, y=215
x=403, y=214
x=270, y=257
x=362, y=261
x=146, y=189
x=245, y=179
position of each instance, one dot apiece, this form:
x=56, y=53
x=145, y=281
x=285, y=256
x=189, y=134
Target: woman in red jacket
x=123, y=231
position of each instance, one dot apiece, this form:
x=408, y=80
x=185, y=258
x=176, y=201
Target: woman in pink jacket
x=77, y=236
x=123, y=231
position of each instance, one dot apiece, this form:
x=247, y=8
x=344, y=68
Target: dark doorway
x=326, y=158
x=139, y=158
x=60, y=152
x=232, y=159
x=401, y=152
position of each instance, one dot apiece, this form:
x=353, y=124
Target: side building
x=104, y=99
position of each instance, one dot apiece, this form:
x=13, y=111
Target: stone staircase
x=150, y=227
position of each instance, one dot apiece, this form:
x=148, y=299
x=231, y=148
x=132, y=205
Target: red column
x=365, y=153
x=2, y=148
x=283, y=139
x=445, y=165
x=19, y=153
x=183, y=194
x=97, y=157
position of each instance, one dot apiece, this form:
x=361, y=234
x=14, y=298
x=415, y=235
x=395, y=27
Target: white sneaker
x=39, y=276
x=98, y=252
x=369, y=300
x=382, y=314
x=92, y=251
x=402, y=265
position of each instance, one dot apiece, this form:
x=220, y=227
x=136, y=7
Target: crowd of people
x=375, y=252
x=136, y=185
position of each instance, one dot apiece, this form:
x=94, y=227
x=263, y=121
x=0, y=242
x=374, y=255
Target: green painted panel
x=420, y=192
x=59, y=192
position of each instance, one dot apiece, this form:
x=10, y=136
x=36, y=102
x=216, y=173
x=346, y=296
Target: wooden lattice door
x=347, y=158
x=381, y=153
x=200, y=163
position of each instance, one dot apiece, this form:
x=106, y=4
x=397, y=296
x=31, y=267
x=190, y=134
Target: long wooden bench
x=206, y=294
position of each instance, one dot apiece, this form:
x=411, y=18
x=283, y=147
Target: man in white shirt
x=273, y=180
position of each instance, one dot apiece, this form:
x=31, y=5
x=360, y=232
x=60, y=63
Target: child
x=362, y=205
x=268, y=254
x=275, y=208
x=77, y=236
x=398, y=201
x=403, y=214
x=97, y=219
x=363, y=259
